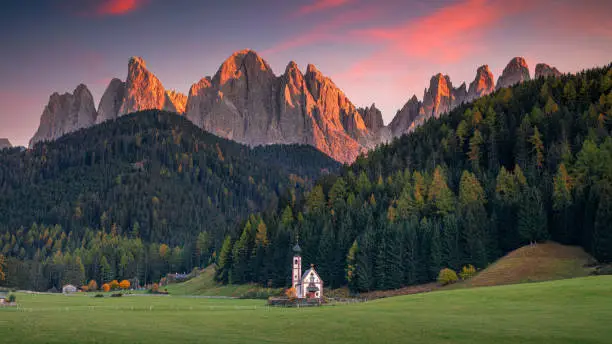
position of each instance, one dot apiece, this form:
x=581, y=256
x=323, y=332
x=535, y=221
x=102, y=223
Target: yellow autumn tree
x=92, y=285
x=2, y=265
x=125, y=285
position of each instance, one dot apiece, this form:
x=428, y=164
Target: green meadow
x=566, y=311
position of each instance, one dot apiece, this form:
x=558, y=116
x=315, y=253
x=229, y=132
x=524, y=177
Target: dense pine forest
x=150, y=193
x=137, y=197
x=523, y=165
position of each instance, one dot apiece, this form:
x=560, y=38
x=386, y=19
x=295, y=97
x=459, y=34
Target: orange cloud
x=118, y=7
x=320, y=5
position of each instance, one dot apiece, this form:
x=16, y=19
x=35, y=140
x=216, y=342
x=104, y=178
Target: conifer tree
x=224, y=263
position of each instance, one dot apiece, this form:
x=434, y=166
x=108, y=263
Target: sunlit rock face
x=5, y=143
x=483, y=84
x=142, y=90
x=246, y=102
x=543, y=70
x=66, y=113
x=515, y=72
x=175, y=101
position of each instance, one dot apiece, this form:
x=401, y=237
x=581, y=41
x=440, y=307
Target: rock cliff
x=515, y=72
x=543, y=70
x=66, y=113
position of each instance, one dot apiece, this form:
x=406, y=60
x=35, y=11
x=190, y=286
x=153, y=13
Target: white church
x=308, y=285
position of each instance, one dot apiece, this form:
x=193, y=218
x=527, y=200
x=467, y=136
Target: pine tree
x=241, y=255
x=474, y=218
x=440, y=196
x=224, y=264
x=602, y=231
x=475, y=153
x=351, y=266
x=532, y=225
x=562, y=202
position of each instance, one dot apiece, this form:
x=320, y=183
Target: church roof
x=307, y=272
x=297, y=249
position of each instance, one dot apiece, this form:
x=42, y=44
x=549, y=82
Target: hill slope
x=535, y=263
x=155, y=169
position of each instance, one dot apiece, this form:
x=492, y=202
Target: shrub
x=99, y=295
x=125, y=284
x=92, y=285
x=155, y=288
x=12, y=298
x=116, y=295
x=447, y=276
x=467, y=272
x=291, y=293
x=106, y=287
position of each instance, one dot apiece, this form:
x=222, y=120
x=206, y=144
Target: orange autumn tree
x=291, y=293
x=92, y=285
x=125, y=284
x=114, y=284
x=106, y=287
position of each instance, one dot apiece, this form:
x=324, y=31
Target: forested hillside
x=137, y=197
x=522, y=165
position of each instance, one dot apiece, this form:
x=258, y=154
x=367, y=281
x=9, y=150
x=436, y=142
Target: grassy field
x=567, y=311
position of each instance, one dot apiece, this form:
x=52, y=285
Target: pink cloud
x=321, y=5
x=332, y=30
x=118, y=7
x=445, y=35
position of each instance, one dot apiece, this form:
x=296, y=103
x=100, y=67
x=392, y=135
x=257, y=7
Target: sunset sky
x=380, y=51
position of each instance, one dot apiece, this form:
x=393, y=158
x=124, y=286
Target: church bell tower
x=296, y=274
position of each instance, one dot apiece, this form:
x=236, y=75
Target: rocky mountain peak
x=5, y=143
x=143, y=90
x=111, y=101
x=66, y=113
x=483, y=84
x=372, y=118
x=438, y=98
x=137, y=61
x=404, y=118
x=241, y=63
x=515, y=72
x=543, y=70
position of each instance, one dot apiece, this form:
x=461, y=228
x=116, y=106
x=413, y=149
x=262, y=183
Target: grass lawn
x=566, y=311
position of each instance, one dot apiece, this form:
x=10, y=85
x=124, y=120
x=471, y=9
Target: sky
x=376, y=51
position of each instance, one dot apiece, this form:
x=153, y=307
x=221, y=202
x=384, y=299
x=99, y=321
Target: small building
x=3, y=298
x=69, y=289
x=308, y=285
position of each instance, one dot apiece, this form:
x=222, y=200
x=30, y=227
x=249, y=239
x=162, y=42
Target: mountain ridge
x=246, y=102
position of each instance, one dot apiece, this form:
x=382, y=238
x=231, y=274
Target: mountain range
x=246, y=102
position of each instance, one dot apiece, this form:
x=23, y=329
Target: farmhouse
x=69, y=288
x=308, y=285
